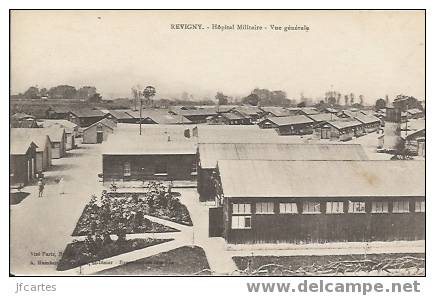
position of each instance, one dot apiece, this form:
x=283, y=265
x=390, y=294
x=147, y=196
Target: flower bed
x=158, y=201
x=144, y=225
x=84, y=252
x=124, y=213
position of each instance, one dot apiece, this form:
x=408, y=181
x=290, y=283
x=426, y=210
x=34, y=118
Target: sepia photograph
x=215, y=143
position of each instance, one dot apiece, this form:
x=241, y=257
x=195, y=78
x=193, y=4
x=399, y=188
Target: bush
x=122, y=213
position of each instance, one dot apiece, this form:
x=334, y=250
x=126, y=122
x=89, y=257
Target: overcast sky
x=369, y=53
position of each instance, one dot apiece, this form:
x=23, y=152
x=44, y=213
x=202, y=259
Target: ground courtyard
x=42, y=227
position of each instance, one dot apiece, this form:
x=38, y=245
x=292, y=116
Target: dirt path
x=220, y=261
x=348, y=248
x=42, y=227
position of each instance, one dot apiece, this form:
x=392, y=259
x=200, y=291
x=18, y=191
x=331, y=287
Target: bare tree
x=136, y=91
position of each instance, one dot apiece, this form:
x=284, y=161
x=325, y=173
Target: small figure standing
x=41, y=187
x=61, y=186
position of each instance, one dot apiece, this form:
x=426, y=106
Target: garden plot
x=89, y=251
x=158, y=200
x=186, y=260
x=108, y=219
x=125, y=212
x=348, y=265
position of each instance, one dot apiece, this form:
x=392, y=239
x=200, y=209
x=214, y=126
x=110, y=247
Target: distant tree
x=407, y=102
x=32, y=93
x=252, y=99
x=185, y=96
x=361, y=100
x=301, y=105
x=65, y=92
x=380, y=104
x=86, y=92
x=331, y=100
x=338, y=98
x=352, y=98
x=96, y=98
x=164, y=103
x=263, y=94
x=278, y=98
x=346, y=100
x=136, y=92
x=149, y=92
x=221, y=98
x=135, y=95
x=321, y=105
x=43, y=92
x=271, y=98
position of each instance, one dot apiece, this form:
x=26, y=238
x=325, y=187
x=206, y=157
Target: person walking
x=41, y=187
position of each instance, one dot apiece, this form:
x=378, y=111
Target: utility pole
x=406, y=123
x=148, y=93
x=140, y=114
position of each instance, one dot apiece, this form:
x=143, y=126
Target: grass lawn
x=77, y=254
x=17, y=197
x=187, y=260
x=301, y=265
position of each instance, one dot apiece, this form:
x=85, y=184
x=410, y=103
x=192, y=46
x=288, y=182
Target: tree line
x=62, y=92
x=263, y=97
x=401, y=101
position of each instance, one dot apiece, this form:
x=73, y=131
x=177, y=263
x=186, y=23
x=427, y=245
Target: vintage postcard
x=217, y=143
